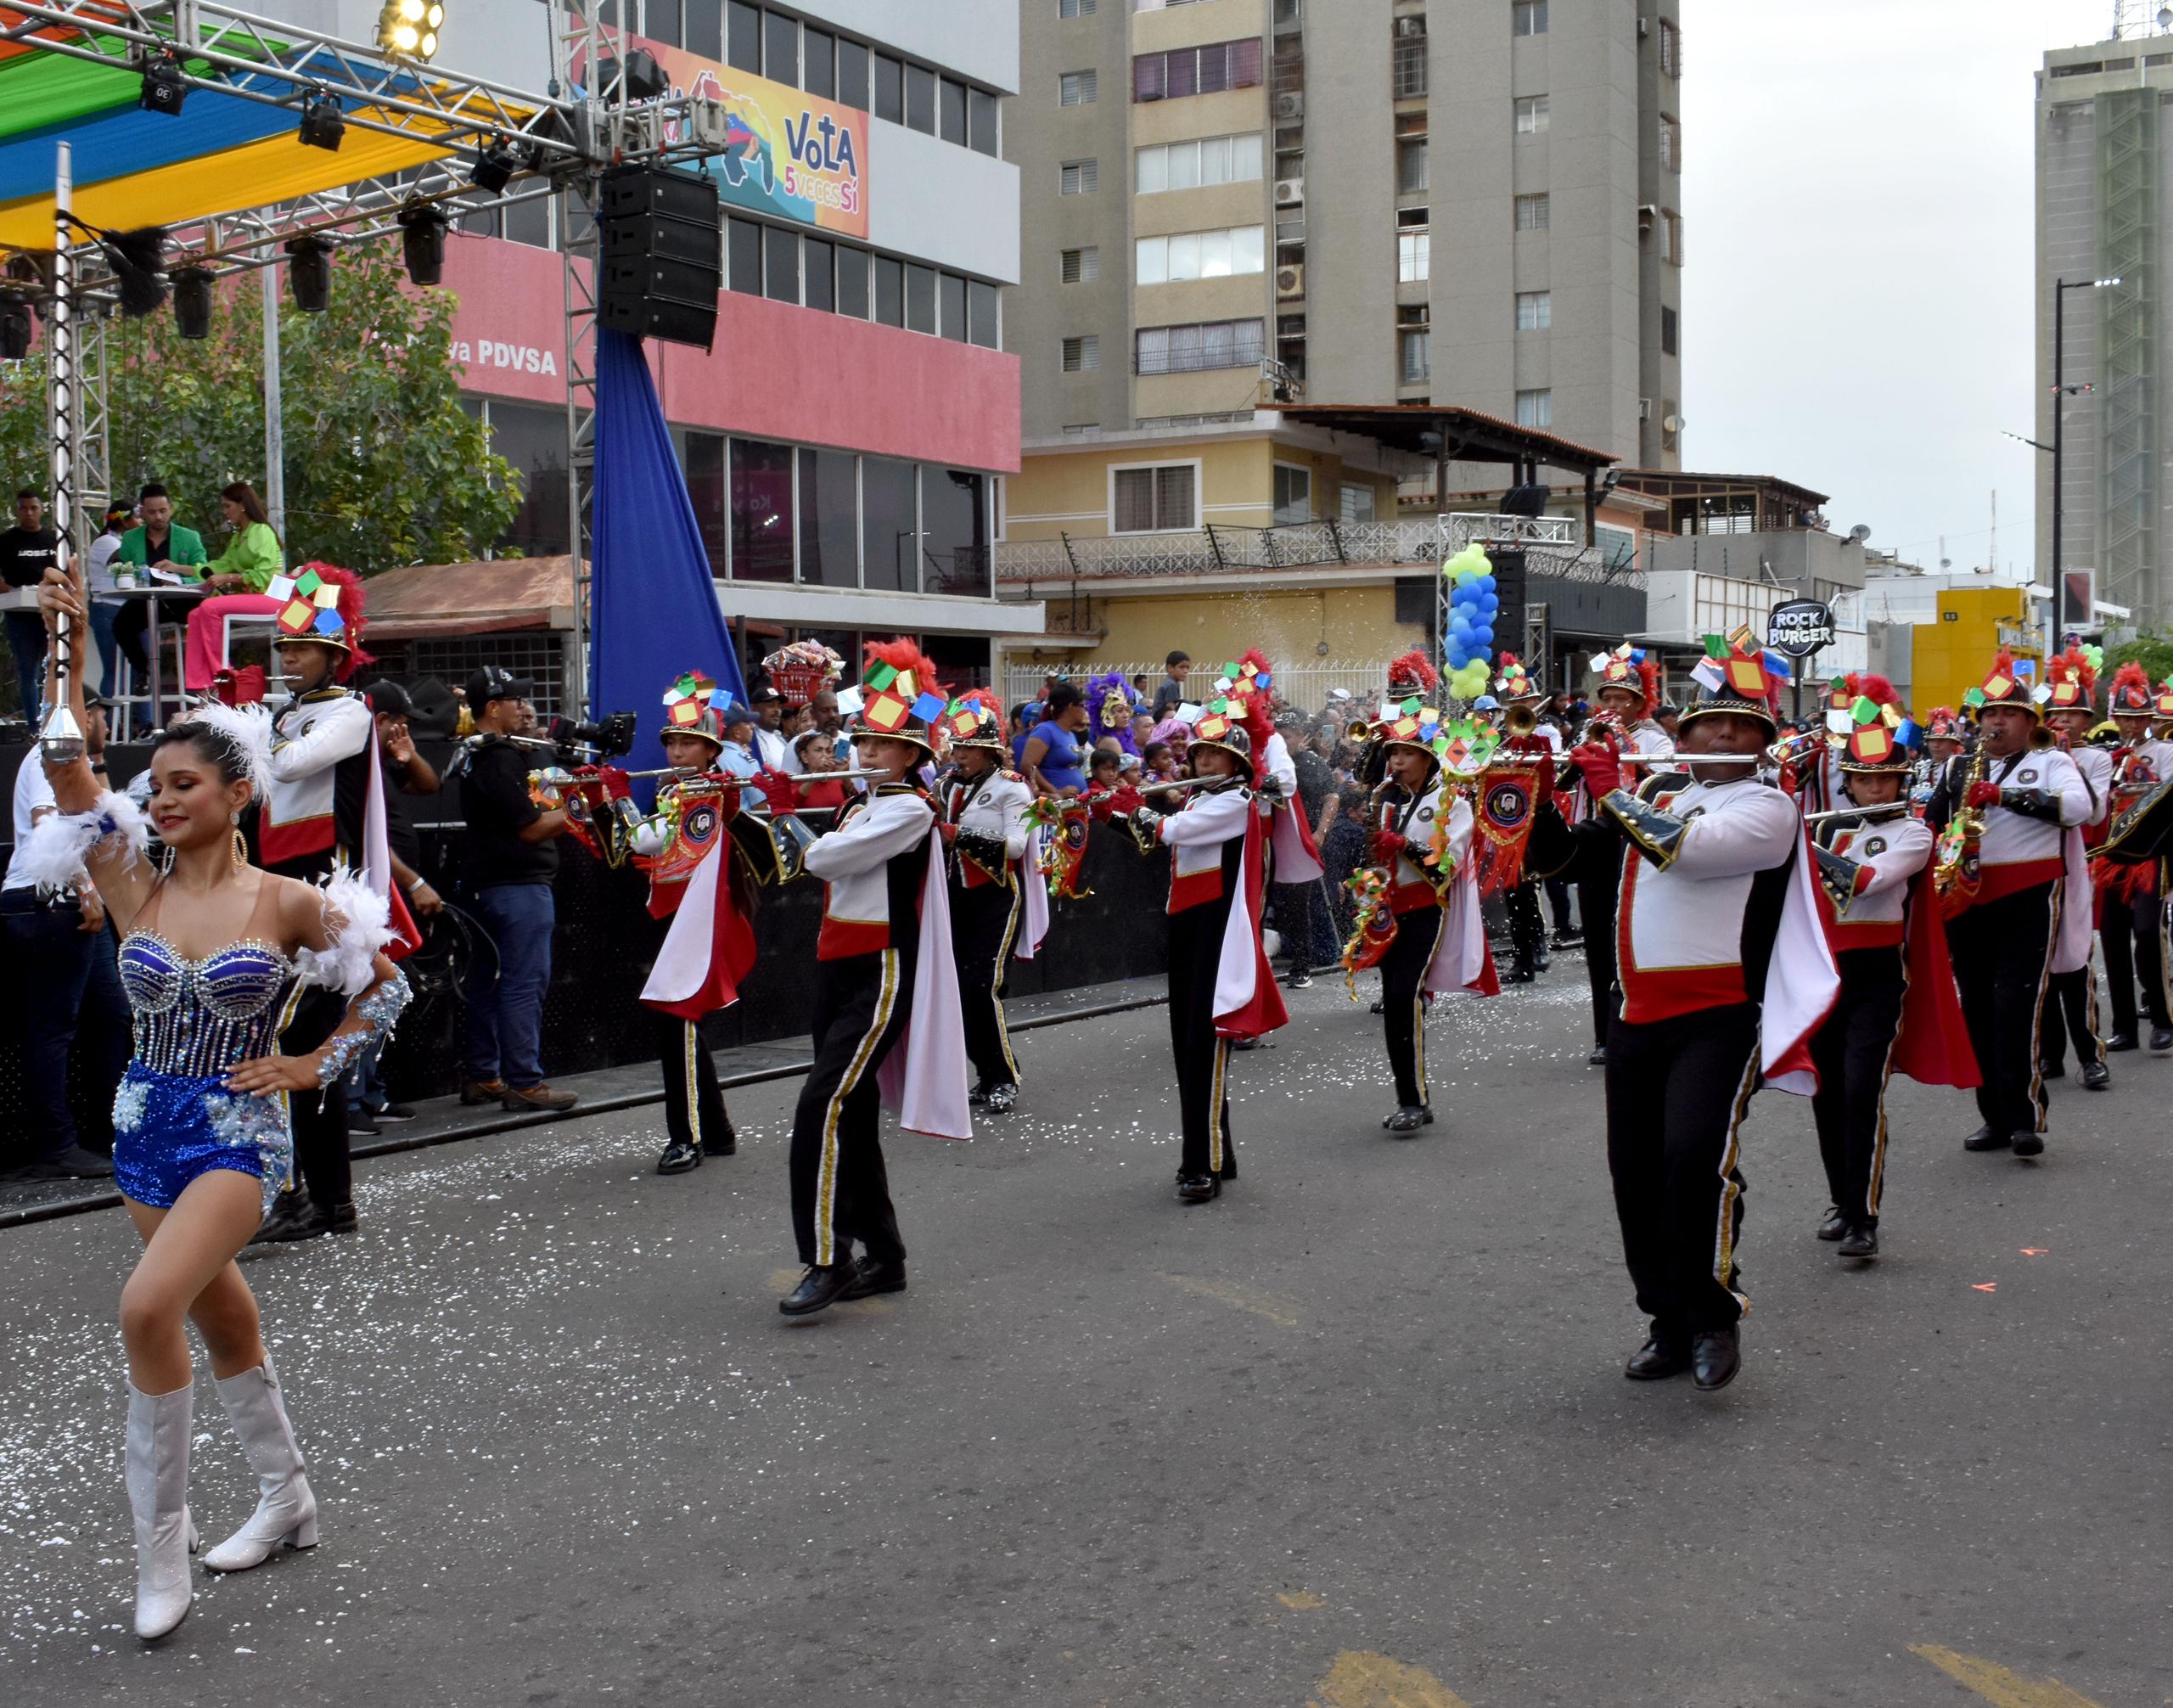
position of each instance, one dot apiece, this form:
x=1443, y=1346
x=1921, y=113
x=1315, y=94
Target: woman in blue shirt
x=1052, y=749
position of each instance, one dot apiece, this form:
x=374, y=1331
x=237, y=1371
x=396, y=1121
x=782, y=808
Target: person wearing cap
x=1222, y=988
x=2132, y=927
x=2071, y=995
x=513, y=862
x=772, y=751
x=1897, y=1005
x=885, y=900
x=1725, y=975
x=982, y=816
x=2004, y=941
x=739, y=757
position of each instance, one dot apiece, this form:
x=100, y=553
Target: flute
x=1885, y=811
x=744, y=781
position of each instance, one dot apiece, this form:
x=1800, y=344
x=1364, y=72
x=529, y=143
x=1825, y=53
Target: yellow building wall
x=1953, y=655
x=1358, y=623
x=1068, y=493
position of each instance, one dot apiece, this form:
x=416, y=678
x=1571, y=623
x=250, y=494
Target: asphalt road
x=1354, y=1436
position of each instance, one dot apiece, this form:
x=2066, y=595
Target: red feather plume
x=1259, y=725
x=2130, y=675
x=1414, y=670
x=1648, y=673
x=902, y=655
x=1873, y=688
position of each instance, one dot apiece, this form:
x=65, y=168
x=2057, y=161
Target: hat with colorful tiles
x=2002, y=687
x=1515, y=682
x=695, y=705
x=899, y=696
x=2070, y=681
x=320, y=602
x=1627, y=667
x=2131, y=695
x=976, y=719
x=1738, y=677
x=1879, y=735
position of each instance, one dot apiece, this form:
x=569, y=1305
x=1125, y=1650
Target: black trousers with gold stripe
x=1676, y=1091
x=2002, y=955
x=1596, y=910
x=2133, y=934
x=2071, y=1011
x=1202, y=1059
x=1403, y=999
x=693, y=1106
x=983, y=924
x=840, y=1192
x=1853, y=1053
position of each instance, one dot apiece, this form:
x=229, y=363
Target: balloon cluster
x=2094, y=656
x=1472, y=606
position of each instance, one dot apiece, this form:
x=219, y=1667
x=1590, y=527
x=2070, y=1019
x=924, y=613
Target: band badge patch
x=1876, y=846
x=1695, y=812
x=2027, y=775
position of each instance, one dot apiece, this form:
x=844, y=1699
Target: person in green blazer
x=162, y=541
x=237, y=579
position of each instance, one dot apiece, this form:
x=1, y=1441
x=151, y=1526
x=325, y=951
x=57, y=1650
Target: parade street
x=1355, y=1435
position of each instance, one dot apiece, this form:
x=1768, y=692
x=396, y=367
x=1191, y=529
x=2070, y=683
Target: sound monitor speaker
x=1509, y=589
x=661, y=261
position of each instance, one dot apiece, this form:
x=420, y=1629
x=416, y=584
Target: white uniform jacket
x=990, y=814
x=310, y=738
x=1199, y=837
x=854, y=861
x=1894, y=849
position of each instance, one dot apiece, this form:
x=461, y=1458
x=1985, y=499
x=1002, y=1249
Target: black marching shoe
x=1597, y=1058
x=1861, y=1240
x=818, y=1289
x=1835, y=1224
x=2052, y=1070
x=2029, y=1144
x=2124, y=1041
x=679, y=1156
x=297, y=1215
x=2096, y=1076
x=726, y=1146
x=1380, y=1006
x=1715, y=1358
x=1662, y=1355
x=978, y=1095
x=362, y=1122
x=1568, y=939
x=1197, y=1188
x=1985, y=1139
x=2161, y=1041
x=1409, y=1119
x=870, y=1277
x=1299, y=980
x=1001, y=1099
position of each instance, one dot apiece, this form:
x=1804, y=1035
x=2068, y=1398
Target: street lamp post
x=2061, y=287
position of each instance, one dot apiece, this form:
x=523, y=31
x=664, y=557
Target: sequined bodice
x=203, y=1016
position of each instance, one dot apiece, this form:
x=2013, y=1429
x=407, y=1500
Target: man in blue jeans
x=512, y=860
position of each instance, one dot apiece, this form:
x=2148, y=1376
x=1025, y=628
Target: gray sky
x=1859, y=219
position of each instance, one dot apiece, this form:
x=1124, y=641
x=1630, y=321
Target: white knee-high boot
x=286, y=1510
x=157, y=1474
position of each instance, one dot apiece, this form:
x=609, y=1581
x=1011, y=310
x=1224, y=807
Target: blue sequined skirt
x=170, y=1128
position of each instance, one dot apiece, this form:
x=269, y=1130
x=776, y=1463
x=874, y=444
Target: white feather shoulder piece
x=60, y=843
x=360, y=923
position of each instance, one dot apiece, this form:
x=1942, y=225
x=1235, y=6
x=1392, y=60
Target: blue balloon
x=1482, y=638
x=1486, y=584
x=1489, y=604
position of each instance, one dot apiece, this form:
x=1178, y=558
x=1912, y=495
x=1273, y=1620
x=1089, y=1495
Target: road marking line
x=1360, y=1680
x=1236, y=1297
x=1304, y=1601
x=1998, y=1686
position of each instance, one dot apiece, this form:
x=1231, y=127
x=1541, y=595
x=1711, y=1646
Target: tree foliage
x=383, y=465
x=2152, y=649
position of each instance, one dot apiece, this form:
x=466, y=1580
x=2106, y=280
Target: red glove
x=1385, y=845
x=949, y=833
x=1124, y=801
x=779, y=791
x=1982, y=793
x=616, y=786
x=1601, y=769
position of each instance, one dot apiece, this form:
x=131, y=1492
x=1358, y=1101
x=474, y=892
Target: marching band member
x=2018, y=801
x=1629, y=689
x=885, y=898
x=1423, y=842
x=1897, y=1010
x=706, y=946
x=2071, y=1006
x=1293, y=861
x=1942, y=742
x=1520, y=699
x=1726, y=974
x=1220, y=985
x=2133, y=927
x=982, y=815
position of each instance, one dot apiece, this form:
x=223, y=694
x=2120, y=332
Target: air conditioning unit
x=1644, y=408
x=1291, y=105
x=1289, y=192
x=1290, y=281
x=1644, y=28
x=1413, y=23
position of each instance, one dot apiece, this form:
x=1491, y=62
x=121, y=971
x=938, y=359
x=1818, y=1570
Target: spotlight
x=322, y=126
x=138, y=259
x=409, y=28
x=192, y=301
x=644, y=79
x=422, y=243
x=164, y=87
x=14, y=327
x=310, y=273
x=498, y=163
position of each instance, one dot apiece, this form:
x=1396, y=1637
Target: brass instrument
x=1797, y=750
x=1519, y=720
x=1954, y=869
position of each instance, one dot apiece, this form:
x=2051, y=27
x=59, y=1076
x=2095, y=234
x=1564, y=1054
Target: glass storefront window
x=532, y=437
x=954, y=510
x=704, y=454
x=761, y=511
x=829, y=507
x=889, y=534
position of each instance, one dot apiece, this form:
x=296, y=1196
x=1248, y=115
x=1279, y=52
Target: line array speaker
x=661, y=267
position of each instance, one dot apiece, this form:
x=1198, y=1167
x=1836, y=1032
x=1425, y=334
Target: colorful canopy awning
x=224, y=152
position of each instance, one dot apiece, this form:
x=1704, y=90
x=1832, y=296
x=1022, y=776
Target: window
x=533, y=438
x=920, y=298
x=1535, y=311
x=1529, y=17
x=780, y=264
x=1531, y=114
x=890, y=525
x=1534, y=409
x=852, y=74
x=661, y=22
x=1411, y=166
x=1152, y=501
x=1082, y=355
x=1294, y=495
x=1671, y=50
x=1407, y=66
x=761, y=511
x=1414, y=249
x=1196, y=70
x=1078, y=177
x=1075, y=9
x=1356, y=504
x=706, y=488
x=1671, y=227
x=1199, y=255
x=781, y=48
x=1200, y=347
x=1075, y=88
x=818, y=70
x=743, y=251
x=889, y=291
x=829, y=519
x=852, y=281
x=954, y=513
x=982, y=318
x=1414, y=355
x=743, y=37
x=1204, y=161
x=1082, y=266
x=950, y=307
x=1669, y=331
x=980, y=122
x=1532, y=212
x=1670, y=145
x=815, y=264
x=920, y=99
x=951, y=112
x=889, y=89
x=704, y=28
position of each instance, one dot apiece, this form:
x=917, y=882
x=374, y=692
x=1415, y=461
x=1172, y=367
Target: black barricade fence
x=605, y=940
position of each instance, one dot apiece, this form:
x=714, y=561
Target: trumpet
x=1797, y=750
x=1519, y=720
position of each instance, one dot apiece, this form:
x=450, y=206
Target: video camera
x=609, y=738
